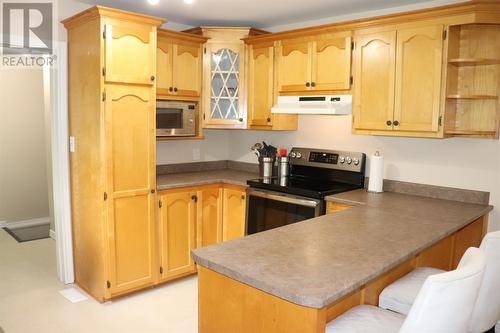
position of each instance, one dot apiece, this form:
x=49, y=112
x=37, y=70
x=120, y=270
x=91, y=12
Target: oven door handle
x=282, y=198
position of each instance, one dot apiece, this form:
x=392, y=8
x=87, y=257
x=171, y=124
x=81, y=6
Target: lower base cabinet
x=196, y=217
x=234, y=208
x=177, y=233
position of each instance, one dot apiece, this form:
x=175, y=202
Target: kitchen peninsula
x=299, y=277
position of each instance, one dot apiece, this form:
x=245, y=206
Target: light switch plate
x=72, y=144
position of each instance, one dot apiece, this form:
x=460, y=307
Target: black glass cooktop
x=303, y=186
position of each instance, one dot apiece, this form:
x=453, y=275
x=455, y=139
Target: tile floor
x=30, y=299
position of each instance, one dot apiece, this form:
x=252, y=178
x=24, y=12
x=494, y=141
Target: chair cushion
x=400, y=295
x=366, y=319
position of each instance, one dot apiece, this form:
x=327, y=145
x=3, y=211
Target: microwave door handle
x=281, y=198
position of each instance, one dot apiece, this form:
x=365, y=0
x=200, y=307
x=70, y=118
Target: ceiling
x=255, y=13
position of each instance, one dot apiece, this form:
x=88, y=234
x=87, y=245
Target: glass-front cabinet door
x=225, y=93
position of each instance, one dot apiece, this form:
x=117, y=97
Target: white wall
x=23, y=172
x=215, y=147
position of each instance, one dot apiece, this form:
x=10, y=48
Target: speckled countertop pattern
x=227, y=176
x=315, y=262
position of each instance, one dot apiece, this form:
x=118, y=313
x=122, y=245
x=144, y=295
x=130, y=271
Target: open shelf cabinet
x=472, y=107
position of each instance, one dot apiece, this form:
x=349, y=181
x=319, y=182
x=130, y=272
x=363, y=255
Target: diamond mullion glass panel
x=225, y=78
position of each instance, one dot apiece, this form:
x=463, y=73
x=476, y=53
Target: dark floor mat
x=26, y=234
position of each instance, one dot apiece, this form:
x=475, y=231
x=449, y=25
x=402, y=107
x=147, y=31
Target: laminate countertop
x=185, y=179
x=315, y=262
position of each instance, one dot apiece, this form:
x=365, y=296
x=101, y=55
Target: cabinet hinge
x=205, y=50
x=203, y=116
x=352, y=45
x=104, y=96
x=104, y=34
x=108, y=284
x=440, y=121
x=160, y=204
x=351, y=80
x=161, y=270
x=445, y=34
x=105, y=196
x=104, y=71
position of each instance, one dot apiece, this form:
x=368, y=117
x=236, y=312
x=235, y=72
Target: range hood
x=322, y=104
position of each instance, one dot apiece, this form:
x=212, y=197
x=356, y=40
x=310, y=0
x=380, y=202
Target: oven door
x=268, y=210
x=175, y=119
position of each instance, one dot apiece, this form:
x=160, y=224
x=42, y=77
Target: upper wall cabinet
x=397, y=80
x=261, y=91
x=179, y=65
x=130, y=52
x=224, y=76
x=319, y=63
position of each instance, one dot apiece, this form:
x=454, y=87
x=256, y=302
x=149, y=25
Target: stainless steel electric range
x=314, y=174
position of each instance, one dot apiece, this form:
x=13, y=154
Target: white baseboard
x=25, y=223
x=52, y=234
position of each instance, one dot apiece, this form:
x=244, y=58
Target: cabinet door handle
x=268, y=120
x=241, y=120
x=152, y=77
x=170, y=89
x=308, y=84
x=389, y=123
x=313, y=84
x=396, y=123
x=194, y=198
x=175, y=89
x=243, y=197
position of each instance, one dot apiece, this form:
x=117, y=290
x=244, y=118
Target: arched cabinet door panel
x=187, y=69
x=129, y=114
x=234, y=207
x=260, y=86
x=130, y=53
x=177, y=232
x=419, y=56
x=210, y=216
x=374, y=75
x=295, y=66
x=331, y=64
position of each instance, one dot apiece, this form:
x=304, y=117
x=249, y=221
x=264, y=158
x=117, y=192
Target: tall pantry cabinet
x=112, y=93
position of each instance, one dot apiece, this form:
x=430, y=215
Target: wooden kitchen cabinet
x=419, y=55
x=112, y=96
x=397, y=80
x=129, y=52
x=209, y=216
x=130, y=178
x=234, y=209
x=261, y=91
x=224, y=75
x=179, y=63
x=374, y=74
x=177, y=232
x=317, y=63
x=295, y=65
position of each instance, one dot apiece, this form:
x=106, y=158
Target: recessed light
x=153, y=2
x=189, y=2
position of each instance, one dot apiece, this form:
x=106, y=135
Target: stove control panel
x=330, y=159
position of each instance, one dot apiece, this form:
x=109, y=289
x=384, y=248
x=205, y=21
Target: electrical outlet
x=196, y=154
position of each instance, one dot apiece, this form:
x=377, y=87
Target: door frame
x=55, y=87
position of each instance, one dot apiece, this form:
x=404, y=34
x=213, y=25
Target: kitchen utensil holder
x=266, y=167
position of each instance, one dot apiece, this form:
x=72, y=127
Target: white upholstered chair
x=400, y=295
x=442, y=296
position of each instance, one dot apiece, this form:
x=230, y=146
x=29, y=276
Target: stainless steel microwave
x=176, y=118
